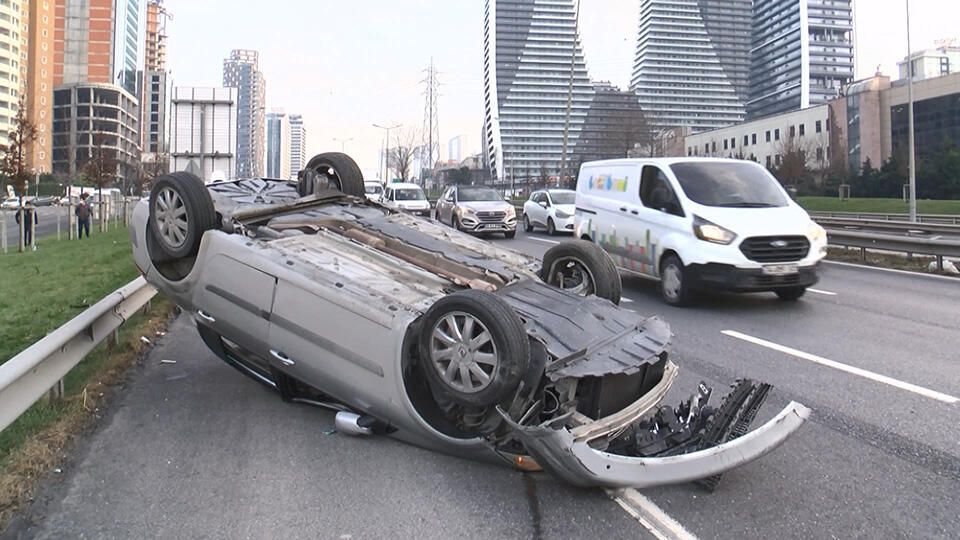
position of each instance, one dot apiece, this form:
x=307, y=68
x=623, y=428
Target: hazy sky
x=347, y=65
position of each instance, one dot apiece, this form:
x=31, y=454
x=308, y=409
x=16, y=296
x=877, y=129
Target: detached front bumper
x=559, y=451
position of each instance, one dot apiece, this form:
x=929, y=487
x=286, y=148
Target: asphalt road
x=46, y=224
x=194, y=449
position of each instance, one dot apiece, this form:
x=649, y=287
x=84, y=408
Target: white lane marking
x=651, y=516
x=625, y=299
x=895, y=271
x=818, y=291
x=926, y=392
x=543, y=240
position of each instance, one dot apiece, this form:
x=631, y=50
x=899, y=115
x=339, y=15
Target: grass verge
x=918, y=263
x=880, y=206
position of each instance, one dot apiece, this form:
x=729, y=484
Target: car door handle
x=284, y=359
x=634, y=212
x=205, y=316
x=623, y=208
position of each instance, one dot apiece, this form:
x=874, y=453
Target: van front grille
x=771, y=249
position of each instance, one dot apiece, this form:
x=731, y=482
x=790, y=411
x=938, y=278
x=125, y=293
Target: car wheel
x=551, y=228
x=181, y=210
x=791, y=294
x=582, y=268
x=673, y=283
x=455, y=222
x=510, y=234
x=332, y=170
x=474, y=348
x=527, y=226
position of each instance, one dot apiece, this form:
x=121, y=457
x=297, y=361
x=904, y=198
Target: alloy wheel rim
x=671, y=281
x=171, y=217
x=463, y=352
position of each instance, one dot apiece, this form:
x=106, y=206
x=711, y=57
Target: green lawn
x=40, y=290
x=881, y=206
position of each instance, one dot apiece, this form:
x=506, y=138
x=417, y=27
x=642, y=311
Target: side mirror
x=543, y=204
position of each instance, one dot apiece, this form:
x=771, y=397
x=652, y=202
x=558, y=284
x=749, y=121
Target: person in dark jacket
x=83, y=212
x=29, y=214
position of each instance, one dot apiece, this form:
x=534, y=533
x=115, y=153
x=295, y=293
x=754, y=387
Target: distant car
x=372, y=190
x=407, y=328
x=11, y=203
x=407, y=197
x=477, y=209
x=46, y=200
x=551, y=209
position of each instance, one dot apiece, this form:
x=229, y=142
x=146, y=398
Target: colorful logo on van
x=638, y=255
x=606, y=182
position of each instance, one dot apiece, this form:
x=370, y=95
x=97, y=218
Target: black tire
x=791, y=294
x=510, y=234
x=551, y=228
x=583, y=268
x=527, y=226
x=673, y=282
x=332, y=170
x=181, y=210
x=455, y=222
x=505, y=353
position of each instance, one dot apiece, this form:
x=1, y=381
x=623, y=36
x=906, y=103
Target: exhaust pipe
x=353, y=424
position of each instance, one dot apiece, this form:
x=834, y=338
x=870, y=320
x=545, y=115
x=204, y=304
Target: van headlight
x=711, y=232
x=816, y=233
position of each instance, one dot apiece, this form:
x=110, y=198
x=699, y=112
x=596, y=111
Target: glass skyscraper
x=242, y=71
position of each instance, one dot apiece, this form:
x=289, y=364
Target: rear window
x=478, y=194
x=410, y=194
x=372, y=189
x=733, y=185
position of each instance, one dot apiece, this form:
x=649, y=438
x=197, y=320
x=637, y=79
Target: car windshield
x=733, y=184
x=410, y=194
x=372, y=189
x=563, y=197
x=478, y=194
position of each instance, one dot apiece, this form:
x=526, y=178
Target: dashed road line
x=651, y=516
x=926, y=392
x=542, y=240
x=826, y=293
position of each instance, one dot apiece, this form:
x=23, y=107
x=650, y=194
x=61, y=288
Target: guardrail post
x=940, y=263
x=56, y=391
x=863, y=254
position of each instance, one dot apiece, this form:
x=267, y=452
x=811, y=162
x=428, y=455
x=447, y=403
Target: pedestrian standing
x=83, y=216
x=29, y=219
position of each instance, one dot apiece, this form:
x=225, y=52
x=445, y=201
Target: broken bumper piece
x=558, y=451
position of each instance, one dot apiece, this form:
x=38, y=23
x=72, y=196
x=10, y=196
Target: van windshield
x=410, y=194
x=733, y=185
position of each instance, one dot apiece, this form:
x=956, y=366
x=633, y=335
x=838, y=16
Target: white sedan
x=551, y=209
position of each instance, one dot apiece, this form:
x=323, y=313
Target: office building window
x=803, y=130
x=793, y=131
x=726, y=144
x=768, y=136
x=819, y=127
x=746, y=140
x=776, y=135
x=753, y=139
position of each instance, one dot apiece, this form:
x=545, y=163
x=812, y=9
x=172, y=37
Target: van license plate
x=780, y=269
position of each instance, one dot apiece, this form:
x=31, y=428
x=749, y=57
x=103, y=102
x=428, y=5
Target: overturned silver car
x=410, y=328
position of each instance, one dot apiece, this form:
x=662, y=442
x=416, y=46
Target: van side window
x=656, y=193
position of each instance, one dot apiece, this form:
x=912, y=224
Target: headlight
x=562, y=215
x=711, y=232
x=466, y=211
x=511, y=211
x=816, y=233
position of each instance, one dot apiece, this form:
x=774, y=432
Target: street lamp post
x=343, y=143
x=386, y=154
x=913, y=154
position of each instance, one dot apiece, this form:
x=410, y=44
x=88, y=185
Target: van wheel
x=791, y=294
x=582, y=268
x=673, y=282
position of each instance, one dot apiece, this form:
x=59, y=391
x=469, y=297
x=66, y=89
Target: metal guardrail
x=886, y=242
x=26, y=377
x=872, y=225
x=921, y=218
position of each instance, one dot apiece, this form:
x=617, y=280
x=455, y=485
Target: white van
x=699, y=224
x=407, y=197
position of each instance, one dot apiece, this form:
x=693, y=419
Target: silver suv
x=477, y=209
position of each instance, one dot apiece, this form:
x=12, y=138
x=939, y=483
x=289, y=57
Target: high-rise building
x=455, y=148
x=94, y=46
x=278, y=145
x=531, y=54
x=153, y=85
x=691, y=63
x=298, y=145
x=930, y=63
x=203, y=125
x=127, y=42
x=242, y=71
x=39, y=90
x=801, y=54
x=13, y=47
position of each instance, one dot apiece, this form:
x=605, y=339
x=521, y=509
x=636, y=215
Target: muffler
x=353, y=424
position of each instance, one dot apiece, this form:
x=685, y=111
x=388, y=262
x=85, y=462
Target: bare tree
x=13, y=162
x=626, y=130
x=101, y=168
x=152, y=168
x=543, y=178
x=403, y=152
x=792, y=168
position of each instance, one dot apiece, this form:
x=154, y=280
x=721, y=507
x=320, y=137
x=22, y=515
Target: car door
x=535, y=210
x=660, y=214
x=388, y=198
x=444, y=205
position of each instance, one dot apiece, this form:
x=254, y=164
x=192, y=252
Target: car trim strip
x=320, y=341
x=239, y=302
